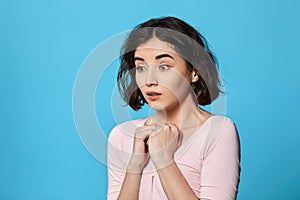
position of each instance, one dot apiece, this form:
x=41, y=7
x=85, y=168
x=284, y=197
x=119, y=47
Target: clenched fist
x=140, y=153
x=159, y=142
x=163, y=145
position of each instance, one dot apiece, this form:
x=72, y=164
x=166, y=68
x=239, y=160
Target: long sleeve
x=221, y=165
x=209, y=160
x=120, y=142
x=116, y=163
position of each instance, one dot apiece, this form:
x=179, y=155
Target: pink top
x=209, y=160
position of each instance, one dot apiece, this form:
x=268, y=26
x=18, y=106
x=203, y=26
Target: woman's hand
x=163, y=144
x=140, y=155
x=160, y=142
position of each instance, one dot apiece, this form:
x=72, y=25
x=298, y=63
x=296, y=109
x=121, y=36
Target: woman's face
x=161, y=74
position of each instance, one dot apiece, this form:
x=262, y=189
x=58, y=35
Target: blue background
x=43, y=43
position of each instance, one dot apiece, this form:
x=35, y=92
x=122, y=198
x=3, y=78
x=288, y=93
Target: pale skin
x=161, y=70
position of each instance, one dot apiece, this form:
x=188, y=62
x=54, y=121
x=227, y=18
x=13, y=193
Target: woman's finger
x=144, y=131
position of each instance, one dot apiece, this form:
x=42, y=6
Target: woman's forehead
x=155, y=45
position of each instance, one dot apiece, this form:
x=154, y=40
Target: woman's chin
x=157, y=107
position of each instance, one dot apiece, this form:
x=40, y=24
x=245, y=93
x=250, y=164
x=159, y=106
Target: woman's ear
x=194, y=76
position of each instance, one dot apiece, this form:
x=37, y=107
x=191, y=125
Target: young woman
x=183, y=151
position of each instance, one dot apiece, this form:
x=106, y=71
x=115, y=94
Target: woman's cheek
x=140, y=80
x=176, y=83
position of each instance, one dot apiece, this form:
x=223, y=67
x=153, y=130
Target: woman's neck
x=187, y=114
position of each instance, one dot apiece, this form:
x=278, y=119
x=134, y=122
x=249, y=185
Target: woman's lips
x=152, y=95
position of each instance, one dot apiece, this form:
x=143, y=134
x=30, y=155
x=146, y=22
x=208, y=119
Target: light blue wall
x=43, y=44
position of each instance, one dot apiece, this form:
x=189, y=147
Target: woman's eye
x=140, y=68
x=164, y=67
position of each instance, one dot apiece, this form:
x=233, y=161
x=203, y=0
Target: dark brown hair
x=188, y=43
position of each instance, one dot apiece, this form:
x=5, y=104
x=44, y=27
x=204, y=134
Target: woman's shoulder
x=223, y=119
x=218, y=124
x=220, y=128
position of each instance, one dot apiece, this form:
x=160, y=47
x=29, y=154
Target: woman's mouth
x=152, y=95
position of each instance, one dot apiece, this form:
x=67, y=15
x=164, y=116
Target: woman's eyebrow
x=156, y=57
x=163, y=55
x=138, y=58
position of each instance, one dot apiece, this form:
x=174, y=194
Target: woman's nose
x=151, y=78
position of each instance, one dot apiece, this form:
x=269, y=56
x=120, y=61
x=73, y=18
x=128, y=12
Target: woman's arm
x=174, y=183
x=221, y=165
x=130, y=186
x=123, y=181
x=162, y=147
x=139, y=157
x=220, y=170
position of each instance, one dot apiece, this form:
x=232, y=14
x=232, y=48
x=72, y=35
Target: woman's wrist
x=160, y=160
x=134, y=169
x=137, y=162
